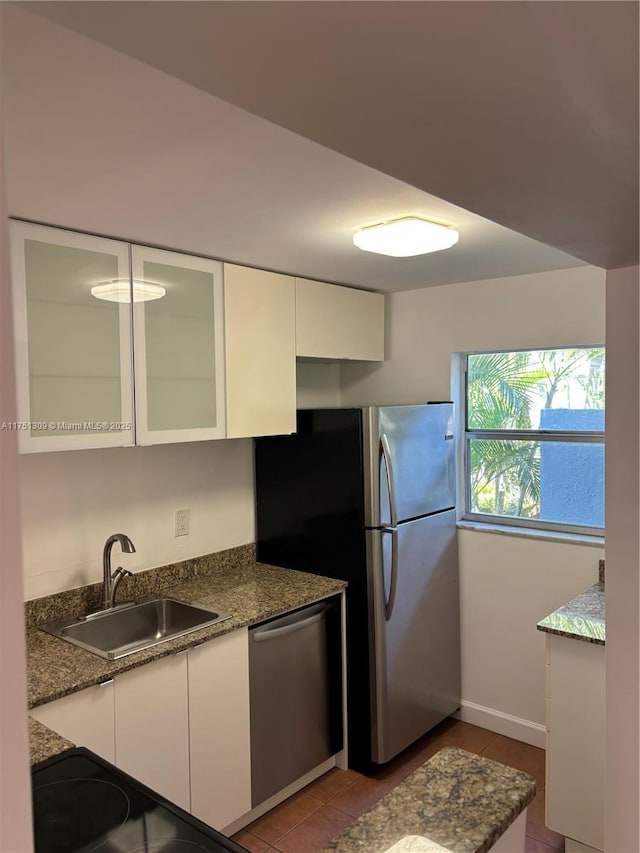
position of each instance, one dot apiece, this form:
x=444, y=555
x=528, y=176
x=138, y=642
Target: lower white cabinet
x=179, y=724
x=219, y=729
x=152, y=726
x=575, y=740
x=85, y=718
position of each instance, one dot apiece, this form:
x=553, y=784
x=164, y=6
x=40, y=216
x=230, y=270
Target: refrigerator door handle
x=386, y=455
x=390, y=602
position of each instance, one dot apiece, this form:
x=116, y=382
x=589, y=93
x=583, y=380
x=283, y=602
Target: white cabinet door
x=178, y=346
x=73, y=340
x=219, y=728
x=260, y=352
x=151, y=726
x=338, y=322
x=576, y=740
x=84, y=718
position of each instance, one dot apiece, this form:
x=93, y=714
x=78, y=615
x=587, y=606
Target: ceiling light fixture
x=119, y=290
x=403, y=238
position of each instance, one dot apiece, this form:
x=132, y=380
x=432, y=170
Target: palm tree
x=500, y=395
x=504, y=391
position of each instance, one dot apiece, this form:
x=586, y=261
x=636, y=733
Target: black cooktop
x=81, y=803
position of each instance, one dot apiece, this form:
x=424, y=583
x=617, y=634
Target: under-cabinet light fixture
x=119, y=290
x=403, y=238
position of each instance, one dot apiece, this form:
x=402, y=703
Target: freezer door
x=414, y=631
x=409, y=462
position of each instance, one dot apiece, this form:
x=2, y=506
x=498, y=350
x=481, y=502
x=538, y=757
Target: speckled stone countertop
x=582, y=618
x=230, y=582
x=417, y=844
x=44, y=743
x=460, y=800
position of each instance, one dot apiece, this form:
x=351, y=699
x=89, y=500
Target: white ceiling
x=101, y=142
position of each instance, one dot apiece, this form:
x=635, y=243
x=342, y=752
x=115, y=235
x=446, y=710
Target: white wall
x=73, y=500
x=622, y=786
x=318, y=384
x=425, y=326
x=15, y=789
x=507, y=583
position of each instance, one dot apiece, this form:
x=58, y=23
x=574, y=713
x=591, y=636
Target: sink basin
x=130, y=628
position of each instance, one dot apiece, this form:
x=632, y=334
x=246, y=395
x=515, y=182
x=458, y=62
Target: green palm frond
x=500, y=391
x=505, y=392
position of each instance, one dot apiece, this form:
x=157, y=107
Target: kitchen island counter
x=230, y=582
x=457, y=799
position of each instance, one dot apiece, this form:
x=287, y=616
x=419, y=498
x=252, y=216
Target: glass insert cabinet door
x=178, y=345
x=72, y=326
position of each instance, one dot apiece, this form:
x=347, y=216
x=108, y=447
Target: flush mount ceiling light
x=403, y=238
x=119, y=290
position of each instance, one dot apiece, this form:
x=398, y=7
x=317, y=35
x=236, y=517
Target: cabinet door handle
x=104, y=683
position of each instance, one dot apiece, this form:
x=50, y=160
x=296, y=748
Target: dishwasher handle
x=266, y=632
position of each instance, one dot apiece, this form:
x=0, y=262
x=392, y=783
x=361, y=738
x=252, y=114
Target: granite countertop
x=417, y=844
x=45, y=743
x=459, y=800
x=582, y=618
x=249, y=591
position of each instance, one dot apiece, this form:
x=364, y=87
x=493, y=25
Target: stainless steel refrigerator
x=367, y=495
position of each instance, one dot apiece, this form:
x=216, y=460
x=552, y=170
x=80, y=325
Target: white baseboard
x=503, y=724
x=572, y=846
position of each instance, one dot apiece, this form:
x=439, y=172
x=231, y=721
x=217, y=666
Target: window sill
x=532, y=533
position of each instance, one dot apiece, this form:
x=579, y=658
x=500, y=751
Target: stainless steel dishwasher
x=295, y=679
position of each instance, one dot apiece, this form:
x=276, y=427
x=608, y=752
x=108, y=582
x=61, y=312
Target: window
x=534, y=438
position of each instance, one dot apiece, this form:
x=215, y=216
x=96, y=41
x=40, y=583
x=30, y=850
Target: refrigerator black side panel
x=309, y=495
x=310, y=517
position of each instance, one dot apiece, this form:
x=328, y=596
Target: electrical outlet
x=182, y=522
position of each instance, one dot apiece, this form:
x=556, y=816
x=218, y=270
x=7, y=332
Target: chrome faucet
x=111, y=581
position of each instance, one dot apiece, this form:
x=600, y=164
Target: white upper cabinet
x=260, y=352
x=73, y=349
x=208, y=348
x=178, y=346
x=86, y=310
x=336, y=322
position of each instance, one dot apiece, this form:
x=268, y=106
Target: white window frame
x=465, y=435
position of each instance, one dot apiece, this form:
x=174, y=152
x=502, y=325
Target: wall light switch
x=182, y=522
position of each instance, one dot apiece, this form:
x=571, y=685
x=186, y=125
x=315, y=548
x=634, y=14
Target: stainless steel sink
x=130, y=628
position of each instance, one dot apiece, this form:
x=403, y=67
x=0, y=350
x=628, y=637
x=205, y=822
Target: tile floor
x=307, y=821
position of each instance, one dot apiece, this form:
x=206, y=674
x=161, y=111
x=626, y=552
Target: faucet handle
x=116, y=577
x=122, y=573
